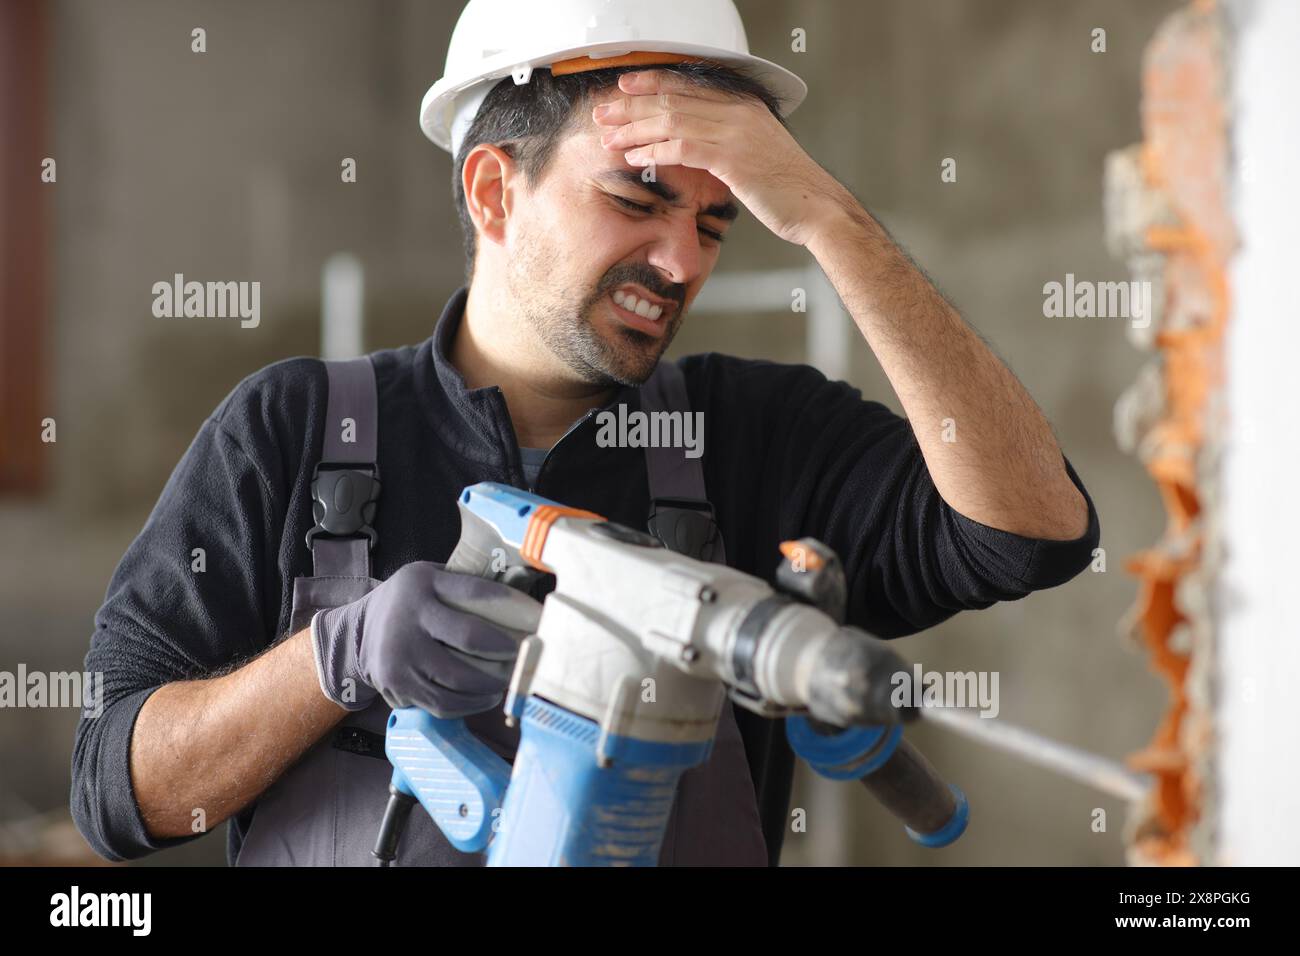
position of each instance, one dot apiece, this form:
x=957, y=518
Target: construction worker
x=601, y=152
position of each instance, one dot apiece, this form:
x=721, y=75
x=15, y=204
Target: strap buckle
x=687, y=526
x=343, y=501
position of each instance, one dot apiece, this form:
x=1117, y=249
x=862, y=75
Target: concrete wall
x=226, y=165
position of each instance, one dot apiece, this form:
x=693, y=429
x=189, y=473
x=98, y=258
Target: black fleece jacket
x=787, y=453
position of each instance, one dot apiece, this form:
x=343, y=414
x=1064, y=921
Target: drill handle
x=457, y=778
x=933, y=812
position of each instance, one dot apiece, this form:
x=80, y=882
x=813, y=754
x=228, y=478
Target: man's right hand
x=426, y=637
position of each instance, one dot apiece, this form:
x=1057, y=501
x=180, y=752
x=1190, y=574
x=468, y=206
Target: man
x=225, y=690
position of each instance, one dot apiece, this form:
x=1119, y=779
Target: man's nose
x=676, y=253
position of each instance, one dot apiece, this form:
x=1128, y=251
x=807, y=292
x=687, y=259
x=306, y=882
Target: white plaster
x=1259, y=650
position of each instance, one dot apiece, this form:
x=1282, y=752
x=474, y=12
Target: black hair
x=528, y=121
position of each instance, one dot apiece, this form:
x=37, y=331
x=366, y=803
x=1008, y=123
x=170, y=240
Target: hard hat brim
x=438, y=108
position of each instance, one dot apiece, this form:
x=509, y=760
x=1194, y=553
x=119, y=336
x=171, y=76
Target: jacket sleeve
x=189, y=597
x=850, y=473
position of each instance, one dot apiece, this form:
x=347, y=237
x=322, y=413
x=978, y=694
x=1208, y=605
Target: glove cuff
x=336, y=660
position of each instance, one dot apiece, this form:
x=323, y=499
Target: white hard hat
x=498, y=38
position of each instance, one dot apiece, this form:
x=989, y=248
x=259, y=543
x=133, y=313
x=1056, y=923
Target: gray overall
x=326, y=809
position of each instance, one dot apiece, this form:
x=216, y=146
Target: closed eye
x=640, y=207
x=633, y=205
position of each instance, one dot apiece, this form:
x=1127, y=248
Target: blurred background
x=226, y=164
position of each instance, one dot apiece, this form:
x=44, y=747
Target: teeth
x=640, y=306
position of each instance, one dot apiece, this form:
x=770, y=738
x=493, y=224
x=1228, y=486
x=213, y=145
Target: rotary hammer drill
x=595, y=774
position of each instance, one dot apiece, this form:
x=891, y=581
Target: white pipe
x=342, y=293
x=827, y=343
x=828, y=333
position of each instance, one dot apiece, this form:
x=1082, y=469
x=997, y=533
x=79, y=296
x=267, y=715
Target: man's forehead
x=675, y=185
x=714, y=201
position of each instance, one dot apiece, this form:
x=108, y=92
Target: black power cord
x=396, y=814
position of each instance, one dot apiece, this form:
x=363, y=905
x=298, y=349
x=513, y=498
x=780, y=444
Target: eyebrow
x=726, y=211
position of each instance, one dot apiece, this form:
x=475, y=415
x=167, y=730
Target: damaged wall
x=1203, y=210
x=1168, y=216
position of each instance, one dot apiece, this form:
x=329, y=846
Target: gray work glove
x=426, y=637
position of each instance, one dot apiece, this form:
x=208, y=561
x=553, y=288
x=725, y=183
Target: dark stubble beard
x=563, y=317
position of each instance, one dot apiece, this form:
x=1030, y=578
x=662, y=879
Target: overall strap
x=680, y=514
x=682, y=518
x=345, y=483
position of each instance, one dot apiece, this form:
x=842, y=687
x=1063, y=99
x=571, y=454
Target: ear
x=486, y=179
